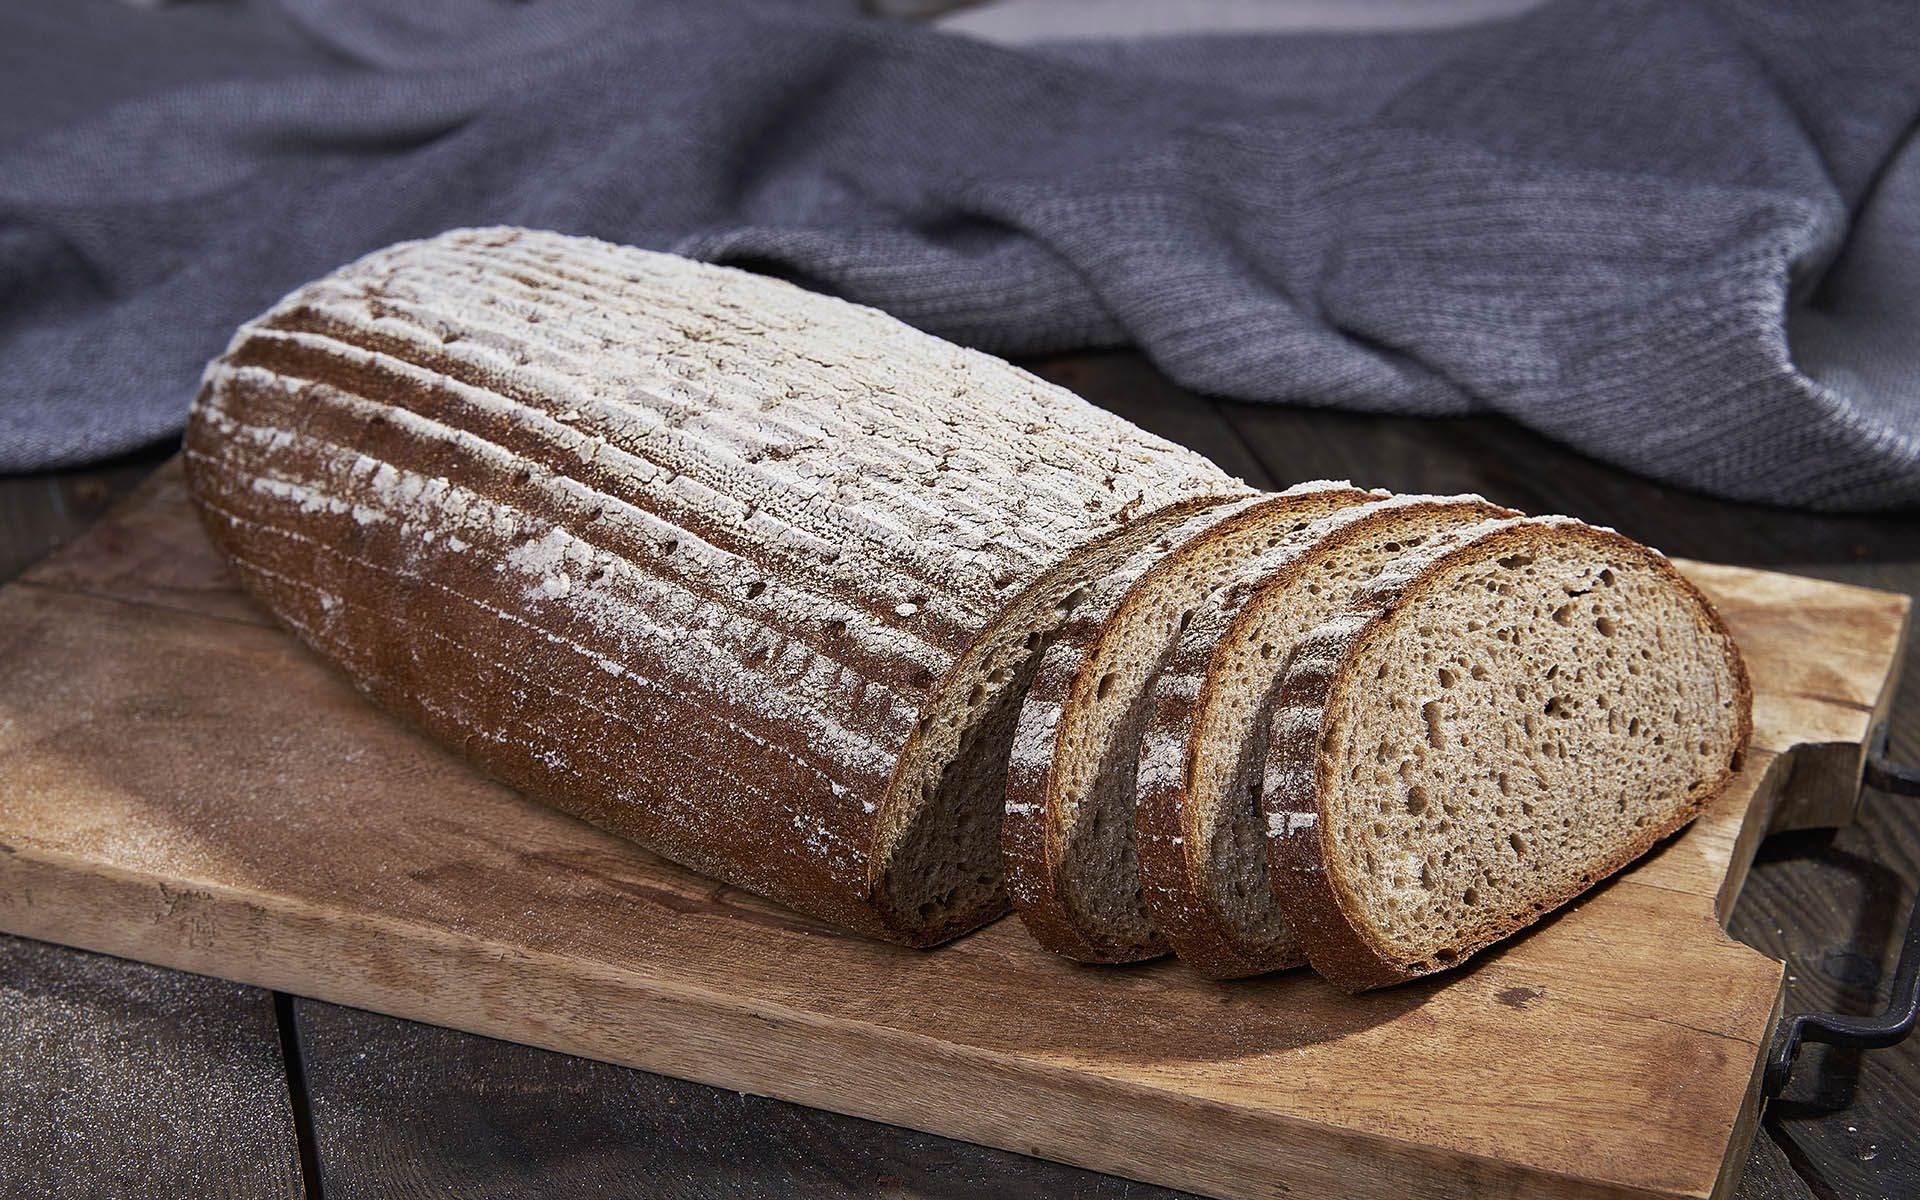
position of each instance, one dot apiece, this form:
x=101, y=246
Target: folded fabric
x=1682, y=237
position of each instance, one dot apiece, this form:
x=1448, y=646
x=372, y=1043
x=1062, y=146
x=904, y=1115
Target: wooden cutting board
x=180, y=782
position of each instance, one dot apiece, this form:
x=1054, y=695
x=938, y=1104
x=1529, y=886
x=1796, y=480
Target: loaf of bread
x=749, y=575
x=839, y=613
x=1199, y=824
x=1492, y=726
x=1068, y=837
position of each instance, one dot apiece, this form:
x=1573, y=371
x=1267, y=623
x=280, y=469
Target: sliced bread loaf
x=1198, y=824
x=1068, y=837
x=747, y=574
x=1489, y=729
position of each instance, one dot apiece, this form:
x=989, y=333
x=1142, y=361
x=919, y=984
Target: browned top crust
x=696, y=555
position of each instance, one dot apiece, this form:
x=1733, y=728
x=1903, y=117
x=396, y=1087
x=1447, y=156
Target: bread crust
x=1034, y=834
x=1174, y=865
x=1030, y=838
x=647, y=539
x=1338, y=940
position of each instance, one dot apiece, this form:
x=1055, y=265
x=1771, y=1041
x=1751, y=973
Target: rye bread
x=749, y=575
x=1198, y=823
x=1067, y=840
x=1487, y=731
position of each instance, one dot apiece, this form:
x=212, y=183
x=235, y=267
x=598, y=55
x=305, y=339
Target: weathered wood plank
x=1768, y=1174
x=122, y=1079
x=141, y=552
x=39, y=513
x=403, y=1108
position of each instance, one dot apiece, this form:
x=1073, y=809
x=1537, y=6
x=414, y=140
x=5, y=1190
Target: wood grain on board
x=187, y=786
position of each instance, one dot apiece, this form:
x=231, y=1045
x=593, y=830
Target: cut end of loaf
x=1064, y=877
x=1246, y=931
x=1531, y=714
x=939, y=872
x=1090, y=791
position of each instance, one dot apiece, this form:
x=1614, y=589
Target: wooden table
x=124, y=1079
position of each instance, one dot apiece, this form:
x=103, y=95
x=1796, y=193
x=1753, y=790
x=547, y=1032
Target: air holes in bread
x=1586, y=738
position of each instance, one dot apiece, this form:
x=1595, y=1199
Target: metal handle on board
x=1893, y=1025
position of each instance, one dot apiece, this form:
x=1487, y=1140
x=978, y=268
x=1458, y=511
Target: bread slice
x=749, y=575
x=1068, y=837
x=1198, y=824
x=1487, y=731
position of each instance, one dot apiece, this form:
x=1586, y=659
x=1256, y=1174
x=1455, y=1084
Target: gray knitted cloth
x=1682, y=237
